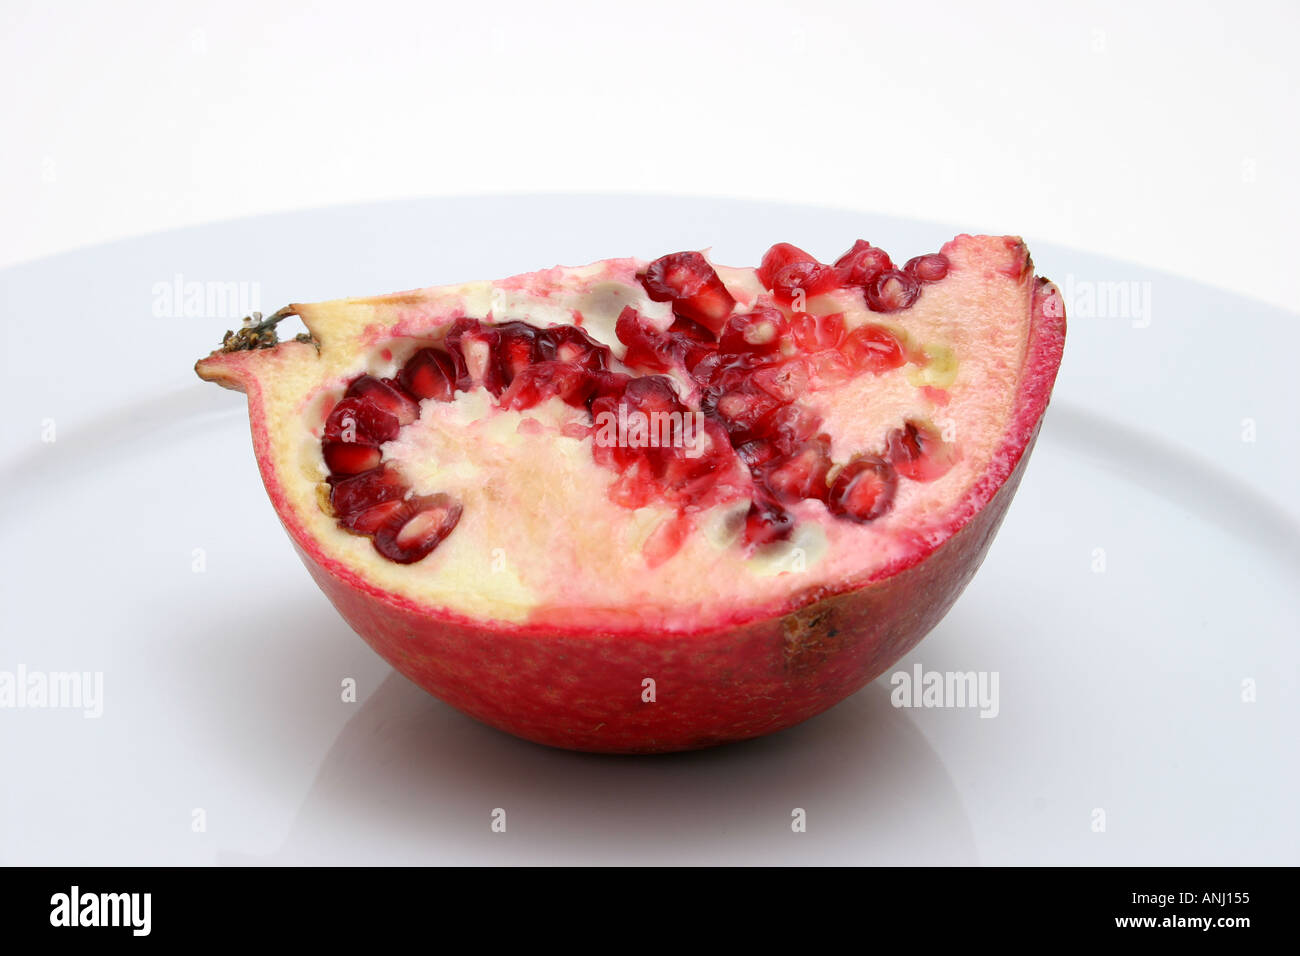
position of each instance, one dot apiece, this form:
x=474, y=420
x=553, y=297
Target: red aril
x=429, y=373
x=892, y=291
x=872, y=348
x=803, y=278
x=690, y=283
x=568, y=343
x=534, y=384
x=801, y=474
x=917, y=451
x=778, y=258
x=812, y=333
x=863, y=490
x=862, y=264
x=385, y=396
x=360, y=420
x=760, y=331
x=927, y=268
x=350, y=457
x=412, y=531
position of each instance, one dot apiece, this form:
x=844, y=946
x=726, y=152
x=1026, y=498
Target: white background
x=1164, y=134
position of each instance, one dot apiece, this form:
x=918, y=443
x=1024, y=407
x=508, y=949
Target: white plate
x=1119, y=691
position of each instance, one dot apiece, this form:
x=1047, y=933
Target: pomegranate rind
x=573, y=677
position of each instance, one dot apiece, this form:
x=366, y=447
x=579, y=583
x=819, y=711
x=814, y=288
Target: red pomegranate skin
x=565, y=685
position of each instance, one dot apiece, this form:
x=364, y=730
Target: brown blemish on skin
x=811, y=637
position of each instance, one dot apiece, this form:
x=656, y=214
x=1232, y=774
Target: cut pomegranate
x=691, y=284
x=755, y=507
x=863, y=490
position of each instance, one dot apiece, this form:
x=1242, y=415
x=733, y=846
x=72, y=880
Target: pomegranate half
x=640, y=506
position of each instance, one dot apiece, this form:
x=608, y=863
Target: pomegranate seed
x=384, y=395
x=690, y=479
x=568, y=343
x=918, y=452
x=862, y=264
x=759, y=331
x=801, y=475
x=863, y=490
x=784, y=382
x=927, y=268
x=813, y=333
x=359, y=420
x=429, y=373
x=647, y=347
x=757, y=452
x=777, y=258
x=791, y=426
x=568, y=381
x=369, y=520
x=872, y=348
x=360, y=492
x=767, y=522
x=720, y=372
x=743, y=411
x=810, y=278
x=829, y=367
x=473, y=347
x=414, y=530
x=690, y=341
x=652, y=393
x=696, y=291
x=689, y=331
x=349, y=457
x=606, y=384
x=517, y=348
x=892, y=291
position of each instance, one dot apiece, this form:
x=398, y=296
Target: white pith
x=538, y=528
